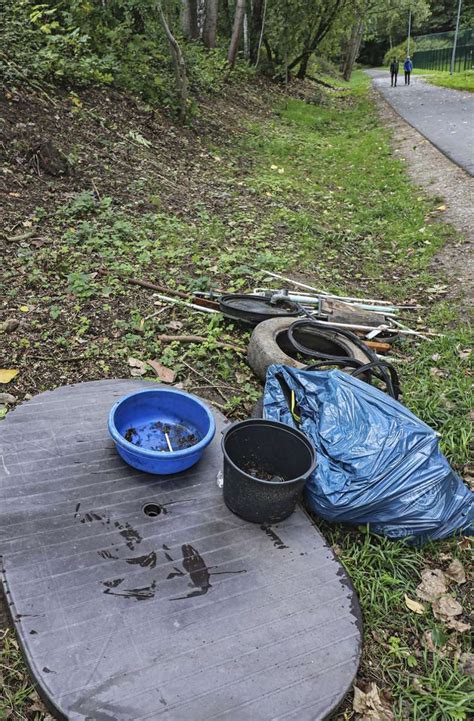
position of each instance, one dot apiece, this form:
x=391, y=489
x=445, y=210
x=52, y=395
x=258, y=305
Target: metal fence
x=441, y=59
x=433, y=52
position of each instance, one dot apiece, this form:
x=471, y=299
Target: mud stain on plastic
x=33, y=632
x=199, y=573
x=277, y=542
x=355, y=608
x=147, y=561
x=195, y=566
x=138, y=594
x=114, y=583
x=47, y=670
x=131, y=535
x=91, y=516
x=107, y=554
x=164, y=509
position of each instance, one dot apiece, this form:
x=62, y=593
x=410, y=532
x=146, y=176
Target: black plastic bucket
x=282, y=455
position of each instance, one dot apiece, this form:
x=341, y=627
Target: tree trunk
x=353, y=48
x=210, y=23
x=189, y=19
x=236, y=31
x=257, y=20
x=246, y=37
x=303, y=68
x=178, y=62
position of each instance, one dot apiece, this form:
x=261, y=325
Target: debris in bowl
x=162, y=437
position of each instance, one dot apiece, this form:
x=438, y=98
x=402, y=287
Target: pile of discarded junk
x=329, y=381
x=155, y=574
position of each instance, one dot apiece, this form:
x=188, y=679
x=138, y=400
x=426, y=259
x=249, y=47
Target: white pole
x=453, y=56
x=409, y=32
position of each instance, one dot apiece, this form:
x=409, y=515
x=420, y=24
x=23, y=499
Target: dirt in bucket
x=261, y=473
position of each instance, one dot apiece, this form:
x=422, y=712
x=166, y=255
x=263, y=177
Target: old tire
x=269, y=344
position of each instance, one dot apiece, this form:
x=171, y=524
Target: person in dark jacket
x=394, y=72
x=408, y=67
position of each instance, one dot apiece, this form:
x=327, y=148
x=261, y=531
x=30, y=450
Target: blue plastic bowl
x=138, y=422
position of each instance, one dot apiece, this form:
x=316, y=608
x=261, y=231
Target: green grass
x=18, y=698
x=458, y=81
x=320, y=194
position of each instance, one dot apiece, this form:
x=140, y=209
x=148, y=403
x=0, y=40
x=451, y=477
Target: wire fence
x=433, y=52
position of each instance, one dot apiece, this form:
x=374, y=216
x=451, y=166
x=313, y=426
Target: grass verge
x=311, y=189
x=458, y=81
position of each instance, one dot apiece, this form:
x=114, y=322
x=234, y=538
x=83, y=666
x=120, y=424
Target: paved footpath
x=444, y=116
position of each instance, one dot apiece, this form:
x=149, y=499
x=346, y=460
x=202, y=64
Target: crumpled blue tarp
x=377, y=462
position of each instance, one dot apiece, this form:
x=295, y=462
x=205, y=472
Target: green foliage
x=400, y=52
x=120, y=42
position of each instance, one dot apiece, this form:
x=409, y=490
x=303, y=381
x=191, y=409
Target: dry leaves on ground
x=432, y=586
x=370, y=705
x=456, y=572
x=414, y=605
x=8, y=374
x=434, y=589
x=466, y=664
x=137, y=367
x=166, y=375
x=445, y=609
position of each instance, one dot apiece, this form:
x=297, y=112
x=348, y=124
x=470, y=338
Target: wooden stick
x=199, y=339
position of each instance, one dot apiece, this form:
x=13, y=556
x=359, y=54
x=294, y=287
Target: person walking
x=394, y=72
x=408, y=67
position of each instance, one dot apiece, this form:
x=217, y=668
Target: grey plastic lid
x=182, y=611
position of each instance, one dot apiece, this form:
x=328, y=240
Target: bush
x=400, y=52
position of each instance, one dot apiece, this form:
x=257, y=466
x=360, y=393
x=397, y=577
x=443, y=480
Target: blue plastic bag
x=377, y=462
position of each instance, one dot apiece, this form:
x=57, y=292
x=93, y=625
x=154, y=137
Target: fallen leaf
x=440, y=207
x=432, y=586
x=7, y=374
x=174, y=325
x=24, y=308
x=167, y=375
x=466, y=664
x=458, y=625
x=370, y=706
x=436, y=356
x=445, y=609
x=138, y=367
x=456, y=572
x=437, y=373
x=465, y=353
x=414, y=605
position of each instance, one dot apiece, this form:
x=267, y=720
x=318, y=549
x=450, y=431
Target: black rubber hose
x=378, y=368
x=381, y=369
x=299, y=324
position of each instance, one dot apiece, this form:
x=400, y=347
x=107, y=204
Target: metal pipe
x=367, y=328
x=178, y=301
x=456, y=32
x=409, y=33
x=324, y=293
